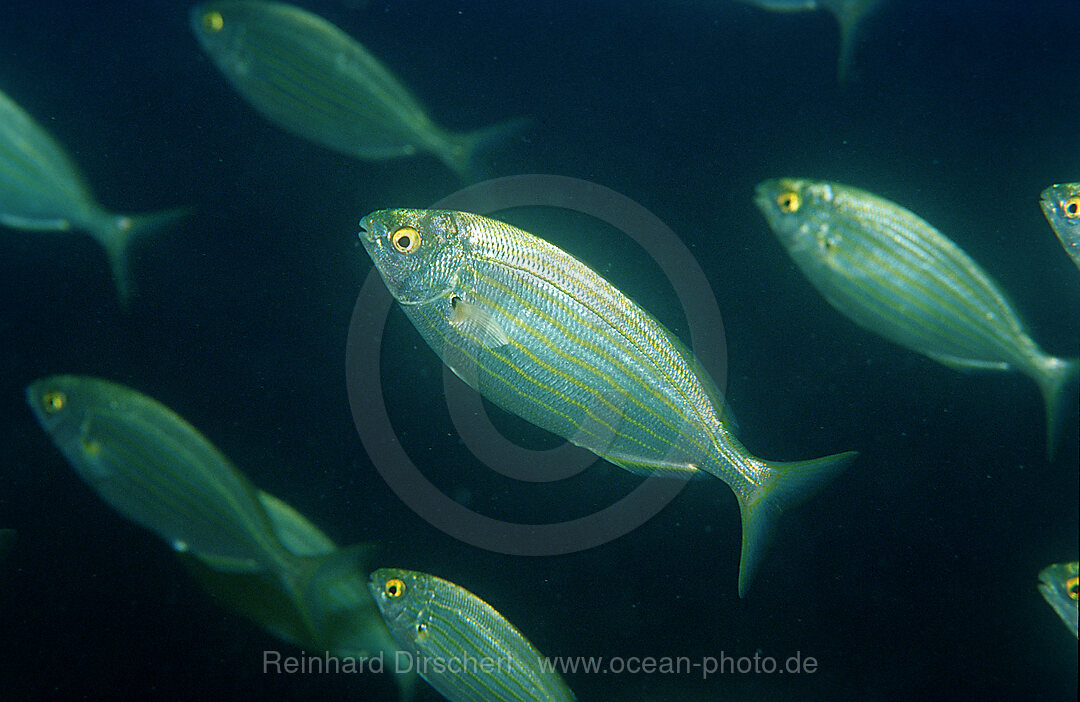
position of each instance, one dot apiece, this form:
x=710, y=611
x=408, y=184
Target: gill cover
x=418, y=252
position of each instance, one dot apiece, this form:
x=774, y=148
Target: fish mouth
x=763, y=196
x=367, y=230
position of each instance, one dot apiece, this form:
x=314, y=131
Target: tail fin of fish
x=790, y=484
x=850, y=14
x=343, y=614
x=1055, y=380
x=115, y=233
x=463, y=151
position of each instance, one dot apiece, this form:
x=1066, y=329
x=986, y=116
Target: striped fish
x=1061, y=205
x=894, y=274
x=310, y=78
x=41, y=189
x=459, y=644
x=540, y=334
x=1060, y=587
x=254, y=552
x=155, y=468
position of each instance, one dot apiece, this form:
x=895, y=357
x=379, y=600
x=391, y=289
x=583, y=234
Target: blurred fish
x=894, y=274
x=1061, y=205
x=310, y=78
x=41, y=189
x=155, y=468
x=848, y=13
x=322, y=604
x=452, y=635
x=250, y=549
x=7, y=542
x=540, y=334
x=1058, y=584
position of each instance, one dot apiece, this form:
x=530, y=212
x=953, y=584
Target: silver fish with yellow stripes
x=894, y=274
x=313, y=80
x=540, y=334
x=1061, y=205
x=41, y=189
x=459, y=644
x=251, y=550
x=155, y=468
x=1060, y=587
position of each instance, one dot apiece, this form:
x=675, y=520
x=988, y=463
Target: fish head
x=219, y=26
x=59, y=404
x=402, y=597
x=798, y=211
x=1061, y=205
x=1060, y=582
x=419, y=253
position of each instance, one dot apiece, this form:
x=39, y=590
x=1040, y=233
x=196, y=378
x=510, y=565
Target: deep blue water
x=911, y=575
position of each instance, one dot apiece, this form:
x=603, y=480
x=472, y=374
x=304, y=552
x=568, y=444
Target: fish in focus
x=1061, y=205
x=848, y=13
x=1060, y=586
x=543, y=336
x=310, y=78
x=450, y=633
x=41, y=189
x=250, y=549
x=890, y=272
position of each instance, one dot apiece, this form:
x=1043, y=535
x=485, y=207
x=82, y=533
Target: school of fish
x=533, y=329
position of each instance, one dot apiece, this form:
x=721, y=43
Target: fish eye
x=1071, y=207
x=213, y=21
x=1072, y=587
x=789, y=201
x=54, y=401
x=394, y=588
x=405, y=240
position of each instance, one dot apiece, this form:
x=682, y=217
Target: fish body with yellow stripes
x=312, y=79
x=542, y=335
x=893, y=273
x=460, y=644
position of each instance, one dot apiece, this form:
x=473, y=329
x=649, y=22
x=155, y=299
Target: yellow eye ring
x=394, y=588
x=405, y=240
x=1071, y=207
x=213, y=21
x=54, y=401
x=1072, y=585
x=789, y=201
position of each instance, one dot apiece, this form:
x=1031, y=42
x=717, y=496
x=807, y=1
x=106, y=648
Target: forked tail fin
x=115, y=232
x=790, y=484
x=1056, y=379
x=849, y=13
x=463, y=151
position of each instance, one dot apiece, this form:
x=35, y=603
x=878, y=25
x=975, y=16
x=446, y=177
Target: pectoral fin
x=480, y=324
